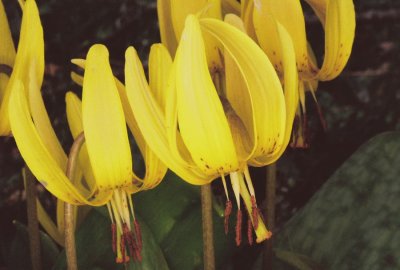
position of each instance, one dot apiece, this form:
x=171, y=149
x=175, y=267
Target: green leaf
x=173, y=213
x=352, y=221
x=19, y=254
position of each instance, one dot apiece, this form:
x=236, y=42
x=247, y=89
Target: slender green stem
x=33, y=224
x=270, y=194
x=69, y=208
x=208, y=231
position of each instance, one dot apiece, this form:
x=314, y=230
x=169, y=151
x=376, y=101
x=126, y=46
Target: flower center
x=126, y=235
x=243, y=187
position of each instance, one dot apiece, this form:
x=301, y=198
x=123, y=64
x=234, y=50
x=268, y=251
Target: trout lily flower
x=338, y=21
x=207, y=129
x=105, y=158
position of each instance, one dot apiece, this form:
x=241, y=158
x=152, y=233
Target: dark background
x=362, y=102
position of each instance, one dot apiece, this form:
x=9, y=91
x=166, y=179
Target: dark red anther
x=254, y=212
x=227, y=213
x=138, y=235
x=138, y=255
x=114, y=237
x=238, y=227
x=249, y=231
x=126, y=234
x=122, y=244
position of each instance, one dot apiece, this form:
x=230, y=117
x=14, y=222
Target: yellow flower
x=338, y=20
x=211, y=128
x=105, y=158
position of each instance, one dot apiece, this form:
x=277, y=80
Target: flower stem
x=33, y=224
x=69, y=208
x=208, y=231
x=270, y=213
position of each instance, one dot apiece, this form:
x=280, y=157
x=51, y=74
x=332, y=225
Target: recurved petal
x=37, y=156
x=155, y=169
x=291, y=84
x=202, y=121
x=180, y=9
x=264, y=88
x=7, y=57
x=340, y=23
x=150, y=118
x=74, y=117
x=104, y=123
x=160, y=64
x=290, y=14
x=7, y=49
x=247, y=7
x=168, y=37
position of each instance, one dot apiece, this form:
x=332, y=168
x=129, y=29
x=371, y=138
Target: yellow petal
x=339, y=36
x=160, y=64
x=180, y=9
x=291, y=85
x=7, y=49
x=150, y=118
x=247, y=7
x=290, y=14
x=36, y=155
x=319, y=7
x=155, y=169
x=167, y=33
x=202, y=121
x=243, y=127
x=47, y=223
x=264, y=88
x=7, y=57
x=104, y=123
x=177, y=147
x=74, y=117
x=30, y=53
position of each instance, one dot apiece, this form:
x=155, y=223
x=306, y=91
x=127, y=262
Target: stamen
x=236, y=186
x=248, y=181
x=225, y=188
x=128, y=239
x=227, y=213
x=239, y=227
x=254, y=211
x=114, y=237
x=125, y=258
x=138, y=235
x=249, y=230
x=319, y=110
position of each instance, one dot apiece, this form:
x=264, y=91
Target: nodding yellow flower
x=338, y=20
x=105, y=158
x=212, y=125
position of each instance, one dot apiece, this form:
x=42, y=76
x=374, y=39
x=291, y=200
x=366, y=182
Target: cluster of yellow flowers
x=223, y=93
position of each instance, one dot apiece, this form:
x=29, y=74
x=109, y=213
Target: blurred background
x=361, y=103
